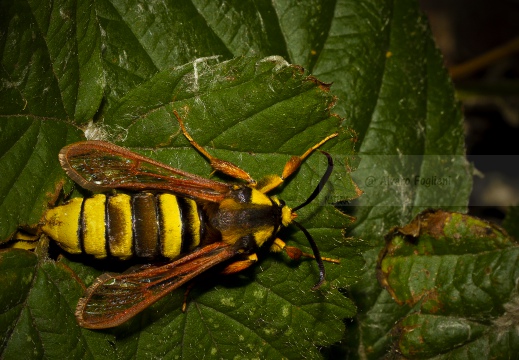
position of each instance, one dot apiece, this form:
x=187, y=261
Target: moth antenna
x=321, y=184
x=317, y=255
x=314, y=194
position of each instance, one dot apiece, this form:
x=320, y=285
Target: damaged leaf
x=458, y=277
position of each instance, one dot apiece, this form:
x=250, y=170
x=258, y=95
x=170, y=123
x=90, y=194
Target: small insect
x=196, y=222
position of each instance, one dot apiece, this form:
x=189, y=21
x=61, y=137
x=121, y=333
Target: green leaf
x=127, y=65
x=38, y=302
x=31, y=175
x=393, y=89
x=51, y=59
x=18, y=269
x=258, y=312
x=460, y=276
x=253, y=95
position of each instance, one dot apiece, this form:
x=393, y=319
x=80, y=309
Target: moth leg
x=188, y=290
x=240, y=265
x=295, y=253
x=270, y=182
x=225, y=167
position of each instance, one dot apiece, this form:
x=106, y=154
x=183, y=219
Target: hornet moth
x=195, y=222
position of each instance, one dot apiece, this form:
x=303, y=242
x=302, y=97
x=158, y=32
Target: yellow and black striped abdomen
x=142, y=225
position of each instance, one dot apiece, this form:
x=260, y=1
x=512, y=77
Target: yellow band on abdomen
x=94, y=227
x=171, y=226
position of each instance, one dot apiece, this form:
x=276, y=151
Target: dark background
x=468, y=30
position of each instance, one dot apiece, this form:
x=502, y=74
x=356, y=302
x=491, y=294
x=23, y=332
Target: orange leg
x=266, y=184
x=270, y=182
x=240, y=265
x=225, y=167
x=295, y=253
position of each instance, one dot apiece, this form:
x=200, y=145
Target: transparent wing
x=99, y=165
x=113, y=299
